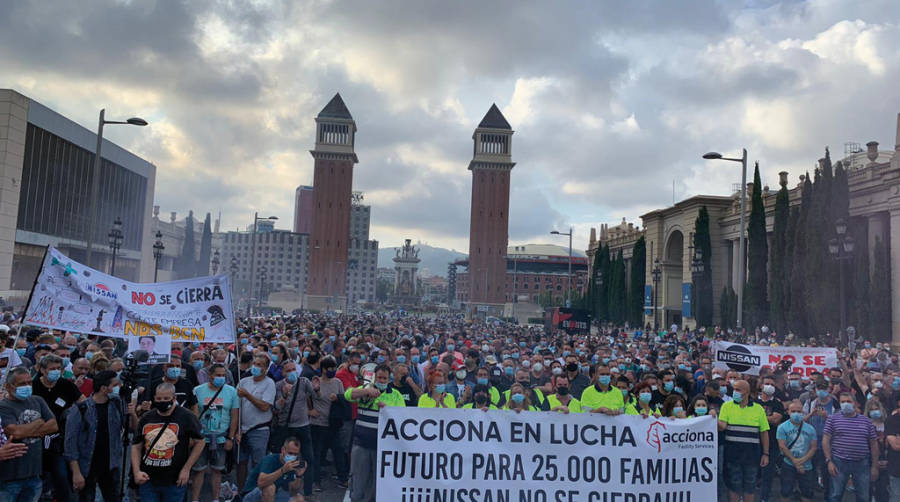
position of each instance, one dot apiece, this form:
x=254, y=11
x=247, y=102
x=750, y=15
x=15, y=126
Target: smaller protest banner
x=749, y=359
x=158, y=347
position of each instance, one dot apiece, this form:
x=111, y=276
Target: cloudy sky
x=612, y=101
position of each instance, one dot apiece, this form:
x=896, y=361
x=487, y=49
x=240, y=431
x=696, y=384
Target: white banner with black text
x=749, y=359
x=441, y=455
x=73, y=297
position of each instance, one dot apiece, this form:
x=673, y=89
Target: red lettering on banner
x=143, y=298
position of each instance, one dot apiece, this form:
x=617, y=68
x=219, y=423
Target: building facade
x=303, y=204
x=406, y=268
x=332, y=189
x=47, y=163
x=172, y=230
x=491, y=167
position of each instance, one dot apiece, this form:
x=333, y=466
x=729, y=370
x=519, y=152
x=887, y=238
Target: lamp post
x=697, y=270
x=95, y=176
x=158, y=248
x=115, y=241
x=215, y=262
x=263, y=272
x=841, y=249
x=256, y=219
x=234, y=268
x=657, y=275
x=569, y=280
x=742, y=268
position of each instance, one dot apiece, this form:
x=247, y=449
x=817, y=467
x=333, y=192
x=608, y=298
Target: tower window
x=335, y=134
x=494, y=143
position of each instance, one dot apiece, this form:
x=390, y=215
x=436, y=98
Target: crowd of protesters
x=294, y=403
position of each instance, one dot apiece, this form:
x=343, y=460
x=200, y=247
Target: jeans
x=107, y=481
x=766, y=474
x=859, y=470
x=306, y=448
x=363, y=462
x=895, y=487
x=152, y=493
x=255, y=495
x=21, y=490
x=324, y=439
x=57, y=469
x=253, y=446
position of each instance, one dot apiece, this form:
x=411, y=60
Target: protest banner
x=749, y=359
x=443, y=455
x=72, y=297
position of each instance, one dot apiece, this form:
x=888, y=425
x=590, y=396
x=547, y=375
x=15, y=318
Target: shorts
x=740, y=477
x=213, y=459
x=805, y=481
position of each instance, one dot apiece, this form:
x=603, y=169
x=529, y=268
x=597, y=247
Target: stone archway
x=673, y=274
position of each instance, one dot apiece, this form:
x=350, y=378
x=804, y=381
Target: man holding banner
x=746, y=442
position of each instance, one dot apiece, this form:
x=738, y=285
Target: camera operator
x=59, y=394
x=93, y=440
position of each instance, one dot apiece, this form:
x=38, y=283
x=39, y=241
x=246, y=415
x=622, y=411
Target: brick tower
x=332, y=190
x=489, y=226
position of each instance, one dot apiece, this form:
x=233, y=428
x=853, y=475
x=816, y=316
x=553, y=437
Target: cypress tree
x=758, y=257
x=202, y=268
x=784, y=284
x=798, y=321
x=638, y=280
x=819, y=298
x=186, y=261
x=778, y=258
x=728, y=307
x=702, y=298
x=603, y=290
x=858, y=300
x=593, y=287
x=880, y=292
x=622, y=290
x=615, y=289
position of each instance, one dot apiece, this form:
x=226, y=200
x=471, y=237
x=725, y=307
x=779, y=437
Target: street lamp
x=569, y=280
x=841, y=249
x=158, y=248
x=95, y=175
x=741, y=269
x=263, y=272
x=657, y=275
x=215, y=262
x=115, y=241
x=256, y=219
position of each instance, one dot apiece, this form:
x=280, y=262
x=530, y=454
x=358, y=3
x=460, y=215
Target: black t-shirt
x=172, y=450
x=184, y=393
x=100, y=460
x=892, y=428
x=771, y=406
x=59, y=397
x=658, y=398
x=406, y=391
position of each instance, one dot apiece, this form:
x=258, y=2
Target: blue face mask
x=198, y=364
x=291, y=377
x=723, y=390
x=896, y=383
x=434, y=359
x=53, y=375
x=700, y=411
x=566, y=353
x=401, y=359
x=482, y=381
x=173, y=373
x=682, y=367
x=646, y=397
x=380, y=359
x=23, y=392
x=89, y=355
x=736, y=395
x=274, y=358
x=380, y=386
x=440, y=388
x=676, y=410
x=603, y=379
x=514, y=355
x=20, y=351
x=305, y=354
x=255, y=371
x=362, y=358
x=605, y=360
x=521, y=344
x=115, y=390
x=450, y=347
x=289, y=458
x=822, y=393
x=415, y=359
x=509, y=370
x=669, y=386
x=847, y=408
x=875, y=414
x=796, y=417
x=795, y=384
x=218, y=381
x=65, y=362
x=518, y=398
x=621, y=367
x=624, y=393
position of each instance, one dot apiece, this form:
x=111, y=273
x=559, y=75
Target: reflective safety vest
x=574, y=404
x=537, y=392
x=469, y=406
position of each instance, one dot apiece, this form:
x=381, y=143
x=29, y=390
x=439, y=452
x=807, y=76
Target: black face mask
x=562, y=391
x=162, y=405
x=481, y=400
x=571, y=367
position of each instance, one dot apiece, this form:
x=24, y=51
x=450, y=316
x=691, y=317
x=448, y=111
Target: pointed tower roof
x=336, y=109
x=493, y=119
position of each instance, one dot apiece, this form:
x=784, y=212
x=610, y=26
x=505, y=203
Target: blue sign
x=648, y=299
x=685, y=299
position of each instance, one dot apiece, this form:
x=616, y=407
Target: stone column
x=877, y=228
x=735, y=263
x=895, y=278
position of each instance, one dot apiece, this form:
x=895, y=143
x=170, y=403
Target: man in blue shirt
x=219, y=417
x=277, y=476
x=798, y=443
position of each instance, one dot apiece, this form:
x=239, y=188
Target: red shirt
x=350, y=382
x=87, y=387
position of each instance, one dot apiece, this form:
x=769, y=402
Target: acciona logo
x=657, y=436
x=738, y=358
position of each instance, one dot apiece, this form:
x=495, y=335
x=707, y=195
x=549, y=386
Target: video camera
x=136, y=373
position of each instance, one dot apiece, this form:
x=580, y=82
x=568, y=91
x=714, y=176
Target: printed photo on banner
x=158, y=347
x=70, y=296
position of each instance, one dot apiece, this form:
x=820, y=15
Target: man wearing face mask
x=26, y=420
x=535, y=396
x=774, y=415
x=172, y=375
x=602, y=397
x=257, y=395
x=746, y=438
x=578, y=381
x=850, y=445
x=165, y=447
x=277, y=476
x=93, y=440
x=219, y=419
x=59, y=394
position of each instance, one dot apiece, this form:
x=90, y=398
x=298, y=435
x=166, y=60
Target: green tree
x=383, y=288
x=702, y=297
x=638, y=280
x=778, y=253
x=186, y=261
x=618, y=291
x=799, y=318
x=203, y=262
x=594, y=287
x=880, y=292
x=784, y=283
x=859, y=284
x=757, y=257
x=605, y=271
x=728, y=307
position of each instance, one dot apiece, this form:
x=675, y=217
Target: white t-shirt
x=264, y=390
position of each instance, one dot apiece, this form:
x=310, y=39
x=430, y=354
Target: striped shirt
x=850, y=436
